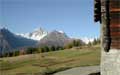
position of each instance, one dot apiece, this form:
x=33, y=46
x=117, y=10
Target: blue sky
x=75, y=17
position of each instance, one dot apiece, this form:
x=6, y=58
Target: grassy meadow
x=50, y=62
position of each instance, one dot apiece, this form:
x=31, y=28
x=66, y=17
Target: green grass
x=50, y=62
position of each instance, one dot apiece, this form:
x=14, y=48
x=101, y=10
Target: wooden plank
x=115, y=47
x=114, y=3
x=115, y=33
x=115, y=40
x=115, y=29
x=115, y=10
x=115, y=37
x=114, y=16
x=115, y=20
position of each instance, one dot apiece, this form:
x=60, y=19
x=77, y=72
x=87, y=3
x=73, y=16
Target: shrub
x=16, y=53
x=52, y=48
x=44, y=49
x=11, y=54
x=68, y=46
x=32, y=50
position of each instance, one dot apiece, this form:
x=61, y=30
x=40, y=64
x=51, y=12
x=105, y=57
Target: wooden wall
x=115, y=23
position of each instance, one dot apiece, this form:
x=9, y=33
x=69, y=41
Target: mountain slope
x=9, y=41
x=54, y=38
x=4, y=45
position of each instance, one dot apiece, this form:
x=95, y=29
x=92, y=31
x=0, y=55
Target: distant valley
x=10, y=41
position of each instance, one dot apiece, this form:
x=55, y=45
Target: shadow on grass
x=51, y=72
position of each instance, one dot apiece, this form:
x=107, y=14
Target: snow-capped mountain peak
x=37, y=34
x=3, y=27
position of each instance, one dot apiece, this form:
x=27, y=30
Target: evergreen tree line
x=74, y=43
x=95, y=42
x=31, y=50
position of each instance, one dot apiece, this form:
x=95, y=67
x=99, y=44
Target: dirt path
x=80, y=71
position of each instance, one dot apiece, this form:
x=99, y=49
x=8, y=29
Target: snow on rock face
x=40, y=33
x=37, y=34
x=60, y=31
